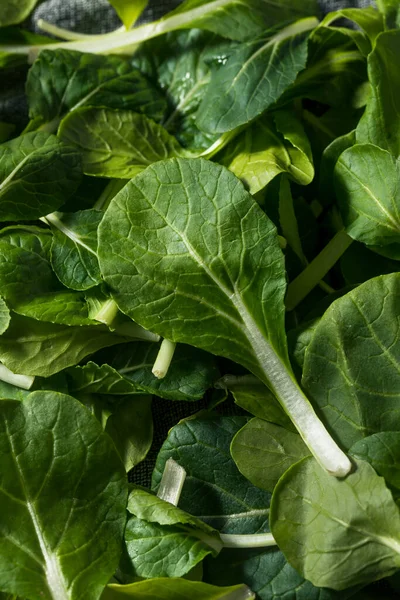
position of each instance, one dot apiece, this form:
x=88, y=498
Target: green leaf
x=254, y=77
x=64, y=308
x=117, y=143
x=329, y=160
x=380, y=124
x=359, y=263
x=351, y=365
x=391, y=12
x=271, y=145
x=163, y=540
x=251, y=394
x=33, y=347
x=244, y=19
x=130, y=426
x=165, y=250
x=74, y=248
x=214, y=489
x=38, y=173
x=4, y=316
x=382, y=451
x=60, y=81
x=128, y=370
x=367, y=180
x=170, y=588
x=336, y=532
x=368, y=19
x=129, y=11
x=15, y=11
x=263, y=452
x=63, y=500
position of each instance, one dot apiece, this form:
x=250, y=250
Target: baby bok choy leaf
x=189, y=254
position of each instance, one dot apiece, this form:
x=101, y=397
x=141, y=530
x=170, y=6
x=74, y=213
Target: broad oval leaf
x=15, y=11
x=367, y=181
x=336, y=532
x=190, y=255
x=254, y=77
x=38, y=173
x=117, y=143
x=74, y=248
x=170, y=588
x=351, y=366
x=33, y=347
x=263, y=451
x=60, y=81
x=61, y=521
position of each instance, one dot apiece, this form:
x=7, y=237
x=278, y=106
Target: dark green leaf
x=38, y=173
x=382, y=451
x=61, y=81
x=336, y=532
x=63, y=500
x=117, y=143
x=263, y=452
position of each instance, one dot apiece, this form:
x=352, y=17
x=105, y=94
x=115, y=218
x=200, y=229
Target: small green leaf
x=367, y=181
x=71, y=504
x=336, y=532
x=129, y=10
x=263, y=452
x=4, y=316
x=351, y=366
x=170, y=589
x=254, y=77
x=38, y=173
x=117, y=143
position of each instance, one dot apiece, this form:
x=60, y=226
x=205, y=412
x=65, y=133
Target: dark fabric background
x=97, y=16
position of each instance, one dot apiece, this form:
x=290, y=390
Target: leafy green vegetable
x=380, y=122
x=38, y=173
x=168, y=588
x=4, y=316
x=129, y=11
x=322, y=523
x=268, y=147
x=351, y=365
x=61, y=81
x=263, y=452
x=67, y=487
x=254, y=77
x=15, y=11
x=117, y=143
x=367, y=180
x=127, y=369
x=38, y=348
x=157, y=225
x=74, y=248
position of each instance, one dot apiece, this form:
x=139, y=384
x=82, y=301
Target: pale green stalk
x=172, y=482
x=22, y=381
x=164, y=358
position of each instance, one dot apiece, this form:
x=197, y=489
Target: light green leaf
x=382, y=451
x=117, y=143
x=214, y=489
x=61, y=521
x=163, y=540
x=38, y=173
x=4, y=316
x=129, y=10
x=367, y=180
x=170, y=588
x=127, y=369
x=336, y=532
x=380, y=124
x=60, y=81
x=74, y=248
x=351, y=366
x=130, y=426
x=15, y=11
x=263, y=452
x=64, y=308
x=33, y=347
x=254, y=77
x=165, y=250
x=271, y=145
x=391, y=11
